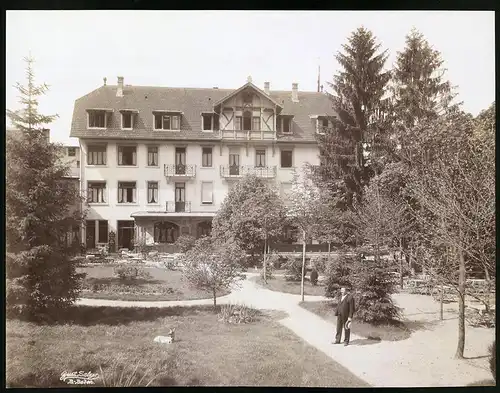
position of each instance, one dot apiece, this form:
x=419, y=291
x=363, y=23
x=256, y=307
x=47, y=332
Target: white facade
x=111, y=173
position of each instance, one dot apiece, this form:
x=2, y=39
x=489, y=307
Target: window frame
x=148, y=183
x=289, y=119
x=73, y=150
x=91, y=185
x=131, y=120
x=203, y=201
x=210, y=156
x=257, y=154
x=157, y=165
x=94, y=112
x=171, y=117
x=134, y=156
x=104, y=155
x=289, y=150
x=134, y=192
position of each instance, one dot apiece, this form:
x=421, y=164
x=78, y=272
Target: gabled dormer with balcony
x=247, y=113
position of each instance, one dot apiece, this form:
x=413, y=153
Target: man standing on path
x=344, y=313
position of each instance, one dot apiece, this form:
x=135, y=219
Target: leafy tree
x=252, y=214
x=40, y=204
x=453, y=180
x=358, y=99
x=212, y=265
x=305, y=201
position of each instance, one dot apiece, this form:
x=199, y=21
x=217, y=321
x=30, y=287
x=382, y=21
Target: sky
x=75, y=50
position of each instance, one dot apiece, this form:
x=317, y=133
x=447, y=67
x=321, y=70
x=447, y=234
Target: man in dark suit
x=344, y=314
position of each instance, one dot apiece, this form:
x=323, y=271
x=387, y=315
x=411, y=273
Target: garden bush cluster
x=293, y=267
x=131, y=273
x=236, y=313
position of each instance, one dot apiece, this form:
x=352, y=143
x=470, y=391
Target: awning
x=152, y=214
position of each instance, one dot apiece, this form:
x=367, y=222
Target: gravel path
x=425, y=359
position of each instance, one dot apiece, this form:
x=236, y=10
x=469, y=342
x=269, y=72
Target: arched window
x=204, y=229
x=166, y=232
x=247, y=121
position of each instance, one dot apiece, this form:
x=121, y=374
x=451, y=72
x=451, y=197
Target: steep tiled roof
x=191, y=101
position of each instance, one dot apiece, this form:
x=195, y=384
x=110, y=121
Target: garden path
x=425, y=359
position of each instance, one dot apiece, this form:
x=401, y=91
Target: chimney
x=295, y=92
x=119, y=90
x=266, y=87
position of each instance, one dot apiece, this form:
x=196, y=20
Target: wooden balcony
x=242, y=135
x=180, y=171
x=236, y=171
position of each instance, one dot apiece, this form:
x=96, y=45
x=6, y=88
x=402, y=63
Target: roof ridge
x=205, y=88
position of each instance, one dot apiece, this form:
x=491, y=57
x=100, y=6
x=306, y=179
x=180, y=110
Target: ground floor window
x=165, y=232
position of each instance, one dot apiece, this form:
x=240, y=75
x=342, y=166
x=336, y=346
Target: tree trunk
x=461, y=305
x=264, y=263
x=401, y=262
x=329, y=250
x=215, y=297
x=441, y=307
x=488, y=290
x=303, y=266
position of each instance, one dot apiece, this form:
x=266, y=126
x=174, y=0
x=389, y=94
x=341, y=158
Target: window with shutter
x=206, y=193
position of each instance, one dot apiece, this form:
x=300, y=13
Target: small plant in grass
x=131, y=273
x=271, y=263
x=314, y=276
x=121, y=375
x=236, y=313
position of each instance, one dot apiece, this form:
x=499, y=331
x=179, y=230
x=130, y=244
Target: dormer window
x=165, y=120
x=210, y=121
x=97, y=118
x=284, y=124
x=127, y=120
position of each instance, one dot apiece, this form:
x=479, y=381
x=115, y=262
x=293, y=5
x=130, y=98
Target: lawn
x=163, y=284
x=279, y=284
x=388, y=332
x=206, y=351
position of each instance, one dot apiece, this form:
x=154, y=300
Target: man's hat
x=348, y=325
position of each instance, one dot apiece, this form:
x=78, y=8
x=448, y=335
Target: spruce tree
x=40, y=204
x=358, y=99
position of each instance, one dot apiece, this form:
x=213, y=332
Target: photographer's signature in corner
x=79, y=378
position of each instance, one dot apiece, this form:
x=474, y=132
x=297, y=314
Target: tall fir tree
x=358, y=99
x=419, y=91
x=40, y=204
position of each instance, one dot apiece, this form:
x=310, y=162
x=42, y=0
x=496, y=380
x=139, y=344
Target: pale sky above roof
x=74, y=50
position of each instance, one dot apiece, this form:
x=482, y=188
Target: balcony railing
x=247, y=134
x=230, y=171
x=178, y=207
x=180, y=170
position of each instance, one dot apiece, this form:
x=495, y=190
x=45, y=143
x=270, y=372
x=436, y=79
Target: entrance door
x=90, y=234
x=125, y=234
x=180, y=197
x=234, y=164
x=180, y=160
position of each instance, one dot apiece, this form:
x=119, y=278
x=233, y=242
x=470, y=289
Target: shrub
x=338, y=274
x=272, y=261
x=480, y=319
x=131, y=273
x=185, y=243
x=314, y=276
x=374, y=286
x=294, y=269
x=319, y=263
x=235, y=313
x=493, y=360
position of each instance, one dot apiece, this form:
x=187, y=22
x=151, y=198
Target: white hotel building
x=157, y=162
